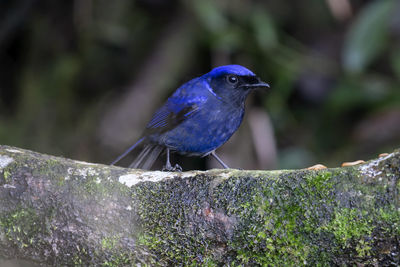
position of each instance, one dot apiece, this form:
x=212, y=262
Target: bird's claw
x=177, y=168
x=169, y=168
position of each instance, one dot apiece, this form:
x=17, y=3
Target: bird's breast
x=205, y=131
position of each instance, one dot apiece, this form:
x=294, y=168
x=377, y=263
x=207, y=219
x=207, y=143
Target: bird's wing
x=172, y=114
x=182, y=105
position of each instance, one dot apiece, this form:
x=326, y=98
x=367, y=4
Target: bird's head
x=233, y=83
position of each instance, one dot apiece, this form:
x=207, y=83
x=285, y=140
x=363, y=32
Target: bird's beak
x=259, y=85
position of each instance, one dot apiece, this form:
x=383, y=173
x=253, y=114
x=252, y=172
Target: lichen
x=4, y=161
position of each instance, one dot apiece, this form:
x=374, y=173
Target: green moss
x=21, y=226
x=60, y=181
x=390, y=220
x=160, y=215
x=93, y=186
x=275, y=217
x=119, y=259
x=351, y=226
x=293, y=218
x=148, y=240
x=81, y=255
x=252, y=218
x=51, y=162
x=297, y=214
x=319, y=184
x=114, y=255
x=77, y=260
x=6, y=175
x=280, y=222
x=109, y=242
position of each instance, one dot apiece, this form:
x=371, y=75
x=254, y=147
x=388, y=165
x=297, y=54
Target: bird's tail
x=147, y=157
x=123, y=155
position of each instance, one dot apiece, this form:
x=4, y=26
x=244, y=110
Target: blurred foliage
x=335, y=79
x=369, y=35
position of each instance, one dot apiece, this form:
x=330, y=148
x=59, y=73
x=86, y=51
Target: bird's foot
x=177, y=168
x=169, y=168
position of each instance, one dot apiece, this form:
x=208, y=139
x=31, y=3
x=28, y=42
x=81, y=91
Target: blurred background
x=81, y=79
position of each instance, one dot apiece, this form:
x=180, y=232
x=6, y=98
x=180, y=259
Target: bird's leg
x=168, y=167
x=219, y=160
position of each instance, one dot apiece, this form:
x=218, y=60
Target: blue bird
x=199, y=117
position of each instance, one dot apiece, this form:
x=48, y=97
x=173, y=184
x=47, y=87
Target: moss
x=21, y=226
x=280, y=234
x=390, y=220
x=51, y=162
x=251, y=218
x=118, y=259
x=148, y=240
x=60, y=181
x=351, y=226
x=293, y=219
x=109, y=242
x=275, y=217
x=160, y=215
x=80, y=256
x=77, y=260
x=111, y=254
x=95, y=187
x=6, y=175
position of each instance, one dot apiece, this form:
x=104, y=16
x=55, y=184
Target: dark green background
x=81, y=78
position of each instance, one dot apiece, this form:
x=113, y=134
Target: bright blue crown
x=230, y=69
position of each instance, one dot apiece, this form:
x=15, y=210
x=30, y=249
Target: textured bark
x=57, y=211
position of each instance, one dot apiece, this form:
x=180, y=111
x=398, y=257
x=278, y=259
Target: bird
x=199, y=117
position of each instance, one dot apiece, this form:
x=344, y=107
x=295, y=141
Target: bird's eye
x=232, y=79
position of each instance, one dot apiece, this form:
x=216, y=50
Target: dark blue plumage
x=199, y=117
